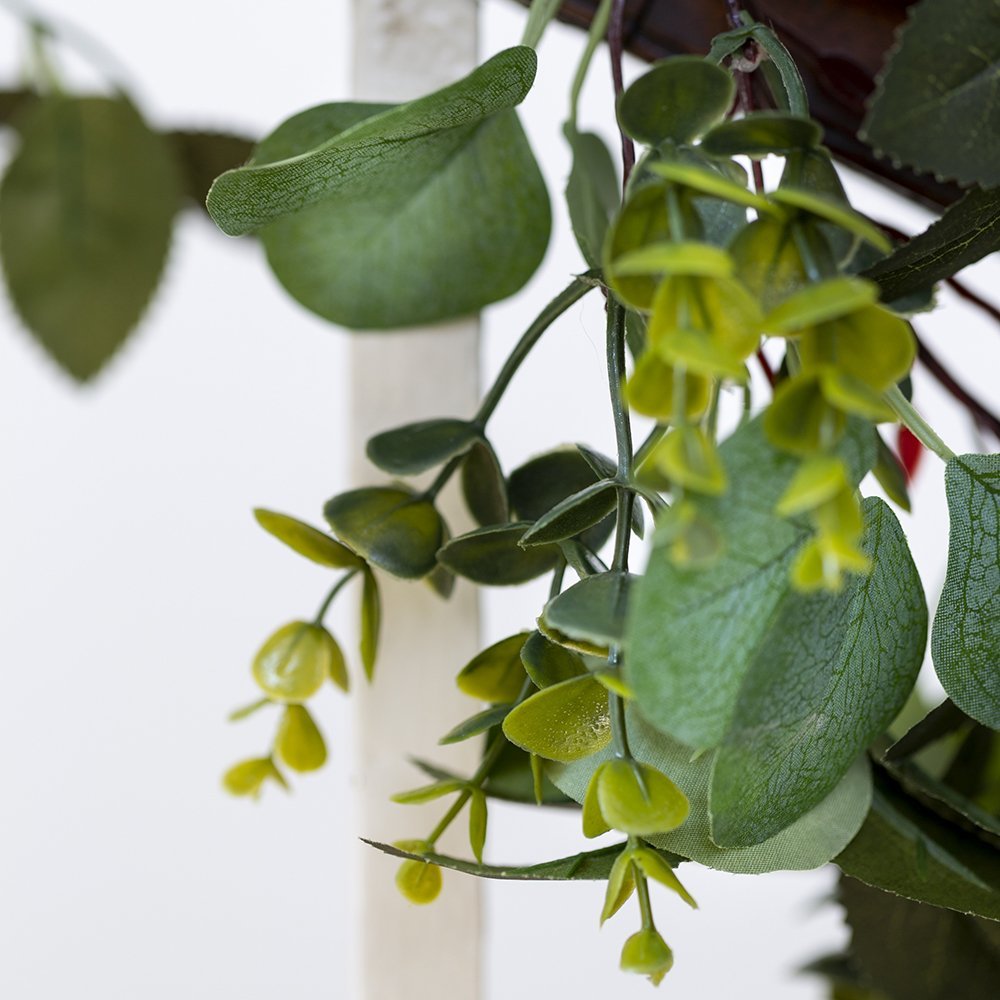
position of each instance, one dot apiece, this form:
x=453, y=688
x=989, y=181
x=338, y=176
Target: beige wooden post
x=402, y=49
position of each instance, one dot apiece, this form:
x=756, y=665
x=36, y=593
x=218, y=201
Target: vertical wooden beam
x=402, y=49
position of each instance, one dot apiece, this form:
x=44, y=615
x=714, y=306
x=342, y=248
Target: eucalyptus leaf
x=483, y=485
x=390, y=526
x=760, y=134
x=408, y=450
x=830, y=674
x=409, y=215
x=493, y=556
x=593, y=609
x=307, y=540
x=946, y=120
x=677, y=99
x=548, y=663
x=965, y=642
x=967, y=232
x=592, y=192
x=906, y=848
x=476, y=725
x=496, y=674
x=808, y=843
x=685, y=617
x=574, y=515
x=86, y=212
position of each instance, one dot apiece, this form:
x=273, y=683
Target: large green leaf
x=86, y=211
x=967, y=232
x=911, y=951
x=906, y=848
x=808, y=843
x=593, y=866
x=692, y=633
x=966, y=638
x=829, y=676
x=937, y=106
x=381, y=218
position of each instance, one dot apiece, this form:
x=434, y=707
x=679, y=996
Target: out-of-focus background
x=135, y=588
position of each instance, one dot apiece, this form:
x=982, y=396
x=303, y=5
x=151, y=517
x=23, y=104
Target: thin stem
x=529, y=338
x=653, y=438
x=642, y=894
x=765, y=367
x=619, y=730
x=623, y=432
x=922, y=430
x=334, y=590
x=598, y=29
x=441, y=479
x=616, y=45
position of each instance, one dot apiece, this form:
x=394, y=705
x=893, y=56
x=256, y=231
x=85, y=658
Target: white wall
x=136, y=587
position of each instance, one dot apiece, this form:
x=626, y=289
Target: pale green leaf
x=306, y=540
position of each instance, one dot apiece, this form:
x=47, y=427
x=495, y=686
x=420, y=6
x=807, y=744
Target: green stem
x=334, y=590
x=642, y=894
x=542, y=11
x=619, y=730
x=598, y=29
x=922, y=430
x=441, y=479
x=529, y=338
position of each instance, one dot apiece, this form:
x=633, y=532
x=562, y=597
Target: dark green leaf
x=371, y=622
x=349, y=216
x=891, y=476
x=405, y=451
x=591, y=866
x=965, y=641
x=496, y=674
x=574, y=515
x=548, y=663
x=829, y=676
x=942, y=721
x=545, y=481
x=202, y=156
x=967, y=232
x=493, y=556
x=677, y=99
x=760, y=134
x=912, y=951
x=306, y=540
x=476, y=725
x=808, y=843
x=936, y=107
x=906, y=848
x=592, y=192
x=593, y=610
x=393, y=527
x=483, y=485
x=684, y=618
x=86, y=212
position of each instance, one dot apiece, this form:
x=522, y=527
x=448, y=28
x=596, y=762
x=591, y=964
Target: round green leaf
x=306, y=540
x=496, y=674
x=86, y=212
x=299, y=742
x=760, y=134
x=547, y=663
x=676, y=99
x=647, y=954
x=564, y=722
x=295, y=661
x=390, y=526
x=637, y=799
x=419, y=881
x=819, y=302
x=593, y=609
x=493, y=556
x=405, y=451
x=483, y=485
x=248, y=777
x=767, y=260
x=689, y=459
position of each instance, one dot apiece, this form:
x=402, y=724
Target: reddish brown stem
x=616, y=46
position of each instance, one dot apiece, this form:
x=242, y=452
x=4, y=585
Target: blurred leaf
x=348, y=195
x=819, y=302
x=547, y=663
x=907, y=849
x=306, y=540
x=760, y=134
x=563, y=722
x=592, y=192
x=478, y=816
x=299, y=742
x=677, y=99
x=767, y=261
x=703, y=180
x=371, y=622
x=391, y=526
x=202, y=156
x=483, y=485
x=405, y=451
x=419, y=881
x=891, y=476
x=237, y=715
x=946, y=121
x=808, y=843
x=492, y=556
x=965, y=641
x=248, y=777
x=684, y=617
x=831, y=673
x=294, y=662
x=427, y=793
x=86, y=212
x=496, y=674
x=593, y=609
x=827, y=208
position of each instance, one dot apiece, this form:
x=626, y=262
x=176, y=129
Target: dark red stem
x=616, y=44
x=982, y=416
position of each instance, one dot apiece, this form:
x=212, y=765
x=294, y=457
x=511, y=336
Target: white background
x=136, y=587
